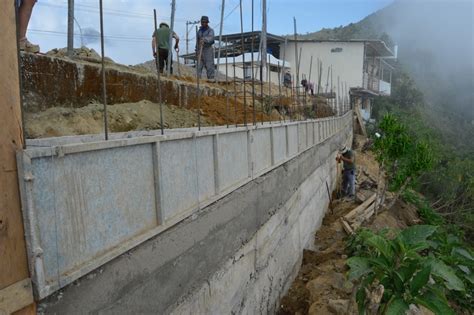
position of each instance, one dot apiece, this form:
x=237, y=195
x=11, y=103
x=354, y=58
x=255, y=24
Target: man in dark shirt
x=205, y=48
x=347, y=157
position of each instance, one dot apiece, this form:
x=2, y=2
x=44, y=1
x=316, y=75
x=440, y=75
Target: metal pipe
x=104, y=92
x=159, y=75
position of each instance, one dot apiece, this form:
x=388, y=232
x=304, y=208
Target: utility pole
x=170, y=51
x=70, y=28
x=188, y=23
x=220, y=39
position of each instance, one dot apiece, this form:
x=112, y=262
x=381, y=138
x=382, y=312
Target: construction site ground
x=62, y=120
x=321, y=286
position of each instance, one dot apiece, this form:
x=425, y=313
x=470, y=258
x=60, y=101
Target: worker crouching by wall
x=347, y=157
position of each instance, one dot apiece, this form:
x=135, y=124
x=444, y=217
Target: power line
x=114, y=37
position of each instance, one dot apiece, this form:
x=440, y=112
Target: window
x=336, y=50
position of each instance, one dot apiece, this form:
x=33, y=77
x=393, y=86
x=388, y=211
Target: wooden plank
x=346, y=226
x=359, y=209
x=16, y=297
x=364, y=216
x=13, y=261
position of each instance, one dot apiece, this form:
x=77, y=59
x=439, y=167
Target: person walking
x=347, y=157
x=205, y=48
x=161, y=40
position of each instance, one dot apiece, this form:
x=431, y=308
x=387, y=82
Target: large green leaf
x=440, y=269
x=382, y=245
x=434, y=303
x=420, y=280
x=359, y=266
x=462, y=252
x=396, y=306
x=416, y=234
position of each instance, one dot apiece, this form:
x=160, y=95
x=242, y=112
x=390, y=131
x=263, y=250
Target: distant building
x=359, y=65
x=362, y=67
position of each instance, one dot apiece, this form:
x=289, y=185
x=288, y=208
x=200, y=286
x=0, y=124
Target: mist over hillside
x=435, y=45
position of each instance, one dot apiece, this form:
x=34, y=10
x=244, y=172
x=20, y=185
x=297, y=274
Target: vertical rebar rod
x=226, y=87
x=198, y=61
x=70, y=28
x=221, y=26
x=327, y=83
x=296, y=52
x=254, y=111
x=104, y=89
x=243, y=62
x=170, y=39
x=159, y=75
x=338, y=96
x=235, y=86
x=279, y=90
x=297, y=83
x=20, y=77
x=261, y=83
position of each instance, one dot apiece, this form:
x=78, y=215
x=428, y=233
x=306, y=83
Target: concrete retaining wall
x=88, y=203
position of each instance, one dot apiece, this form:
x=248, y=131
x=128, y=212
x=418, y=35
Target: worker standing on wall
x=347, y=157
x=161, y=39
x=205, y=48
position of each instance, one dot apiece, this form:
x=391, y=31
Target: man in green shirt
x=161, y=39
x=347, y=157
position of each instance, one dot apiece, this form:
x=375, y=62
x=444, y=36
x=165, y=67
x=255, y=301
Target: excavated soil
x=321, y=286
x=144, y=115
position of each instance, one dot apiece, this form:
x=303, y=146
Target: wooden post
x=13, y=260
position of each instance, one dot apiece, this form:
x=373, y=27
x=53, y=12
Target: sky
x=128, y=24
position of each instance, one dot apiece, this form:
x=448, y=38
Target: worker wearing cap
x=161, y=38
x=347, y=157
x=205, y=48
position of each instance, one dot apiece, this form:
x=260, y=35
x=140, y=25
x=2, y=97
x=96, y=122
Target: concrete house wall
x=346, y=59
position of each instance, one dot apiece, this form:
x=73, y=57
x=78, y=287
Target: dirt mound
x=83, y=53
x=144, y=115
x=218, y=110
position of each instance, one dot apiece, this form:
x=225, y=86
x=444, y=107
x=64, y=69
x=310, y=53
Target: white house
x=360, y=67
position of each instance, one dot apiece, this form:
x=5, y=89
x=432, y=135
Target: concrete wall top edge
x=75, y=144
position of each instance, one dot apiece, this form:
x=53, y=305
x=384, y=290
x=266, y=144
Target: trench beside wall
x=149, y=224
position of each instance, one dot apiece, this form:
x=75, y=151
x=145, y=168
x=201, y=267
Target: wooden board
x=13, y=261
x=16, y=297
x=359, y=209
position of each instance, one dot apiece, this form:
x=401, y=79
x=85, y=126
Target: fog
x=436, y=44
